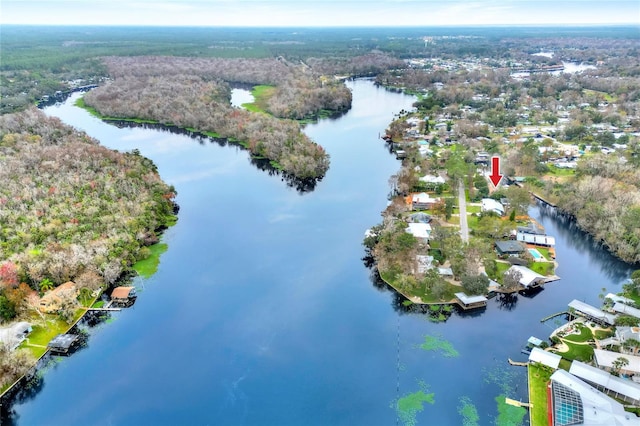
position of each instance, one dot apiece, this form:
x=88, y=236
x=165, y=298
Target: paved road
x=462, y=202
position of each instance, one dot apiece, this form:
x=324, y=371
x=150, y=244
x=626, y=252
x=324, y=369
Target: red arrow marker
x=495, y=175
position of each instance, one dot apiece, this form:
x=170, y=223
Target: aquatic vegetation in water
x=468, y=412
x=502, y=376
x=437, y=343
x=509, y=415
x=408, y=406
x=505, y=377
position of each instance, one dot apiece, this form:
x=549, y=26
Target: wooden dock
x=517, y=403
x=553, y=316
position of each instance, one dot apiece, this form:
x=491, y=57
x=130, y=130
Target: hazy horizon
x=327, y=14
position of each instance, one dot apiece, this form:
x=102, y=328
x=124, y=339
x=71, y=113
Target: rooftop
x=592, y=312
x=509, y=246
x=543, y=357
x=577, y=403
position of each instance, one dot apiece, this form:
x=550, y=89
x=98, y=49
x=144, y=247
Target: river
x=263, y=313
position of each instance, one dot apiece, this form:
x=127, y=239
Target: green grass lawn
x=579, y=352
x=147, y=267
x=261, y=94
x=544, y=252
x=557, y=171
x=584, y=336
x=42, y=335
x=502, y=268
x=538, y=378
x=603, y=334
x=473, y=209
x=543, y=268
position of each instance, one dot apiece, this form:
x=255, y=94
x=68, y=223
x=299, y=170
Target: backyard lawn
x=538, y=377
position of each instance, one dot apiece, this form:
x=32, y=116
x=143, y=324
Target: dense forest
x=192, y=102
x=70, y=208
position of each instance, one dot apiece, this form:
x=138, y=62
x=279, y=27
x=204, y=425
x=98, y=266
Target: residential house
x=575, y=402
x=528, y=278
x=491, y=205
x=423, y=201
x=422, y=231
x=509, y=248
x=53, y=300
x=12, y=336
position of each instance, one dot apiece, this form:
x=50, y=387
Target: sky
x=304, y=13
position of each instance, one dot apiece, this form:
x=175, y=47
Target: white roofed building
x=616, y=386
x=544, y=357
x=528, y=278
x=575, y=402
x=419, y=230
x=491, y=205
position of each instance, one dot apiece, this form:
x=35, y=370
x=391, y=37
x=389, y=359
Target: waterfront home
x=531, y=228
x=621, y=308
x=605, y=359
x=615, y=298
x=509, y=248
x=528, y=278
x=422, y=231
x=536, y=239
x=53, y=300
x=423, y=201
x=592, y=313
x=420, y=218
x=12, y=336
x=617, y=387
x=575, y=402
x=491, y=205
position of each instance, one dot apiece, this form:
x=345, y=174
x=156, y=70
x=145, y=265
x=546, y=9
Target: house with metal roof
x=419, y=230
x=544, y=357
x=621, y=308
x=537, y=239
x=615, y=298
x=592, y=313
x=606, y=359
x=491, y=205
x=528, y=278
x=616, y=387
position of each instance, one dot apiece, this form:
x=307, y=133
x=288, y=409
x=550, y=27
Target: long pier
x=538, y=197
x=553, y=316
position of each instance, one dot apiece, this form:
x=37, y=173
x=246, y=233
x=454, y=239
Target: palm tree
x=46, y=285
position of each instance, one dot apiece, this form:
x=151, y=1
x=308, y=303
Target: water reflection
x=569, y=233
x=300, y=185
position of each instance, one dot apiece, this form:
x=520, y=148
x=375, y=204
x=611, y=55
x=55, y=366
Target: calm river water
x=262, y=312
